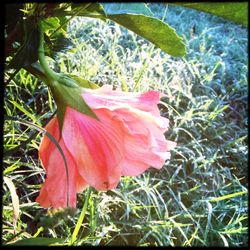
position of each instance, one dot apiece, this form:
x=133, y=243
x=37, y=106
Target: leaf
x=11, y=168
x=14, y=198
x=84, y=83
x=59, y=43
x=81, y=217
x=38, y=241
x=94, y=9
x=228, y=196
x=157, y=32
x=55, y=27
x=138, y=18
x=26, y=112
x=67, y=93
x=67, y=96
x=236, y=12
x=82, y=9
x=51, y=24
x=56, y=36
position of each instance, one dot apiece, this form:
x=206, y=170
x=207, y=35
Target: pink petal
x=55, y=188
x=105, y=97
x=144, y=142
x=96, y=148
x=46, y=144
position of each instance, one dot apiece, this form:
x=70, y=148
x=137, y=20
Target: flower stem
x=81, y=217
x=52, y=75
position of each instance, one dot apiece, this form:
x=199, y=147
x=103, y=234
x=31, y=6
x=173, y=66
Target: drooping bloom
x=125, y=140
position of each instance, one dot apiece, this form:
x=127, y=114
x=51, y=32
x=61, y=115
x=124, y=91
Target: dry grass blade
x=15, y=200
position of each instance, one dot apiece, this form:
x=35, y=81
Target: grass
x=199, y=198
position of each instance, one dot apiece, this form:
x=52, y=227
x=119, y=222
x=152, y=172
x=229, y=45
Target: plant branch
x=52, y=75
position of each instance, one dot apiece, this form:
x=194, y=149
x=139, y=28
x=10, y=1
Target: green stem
x=81, y=218
x=52, y=75
x=36, y=70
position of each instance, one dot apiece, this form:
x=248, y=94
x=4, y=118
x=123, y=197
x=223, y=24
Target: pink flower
x=126, y=140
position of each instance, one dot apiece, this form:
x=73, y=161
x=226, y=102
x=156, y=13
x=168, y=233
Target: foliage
x=236, y=12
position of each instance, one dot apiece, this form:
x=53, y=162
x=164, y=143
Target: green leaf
x=228, y=196
x=26, y=112
x=39, y=241
x=93, y=9
x=67, y=93
x=236, y=12
x=138, y=18
x=51, y=24
x=11, y=168
x=80, y=9
x=84, y=83
x=56, y=36
x=157, y=32
x=59, y=43
x=81, y=217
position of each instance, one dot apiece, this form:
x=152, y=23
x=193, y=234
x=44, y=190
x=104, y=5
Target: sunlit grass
x=199, y=198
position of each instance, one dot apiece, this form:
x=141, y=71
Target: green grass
x=199, y=198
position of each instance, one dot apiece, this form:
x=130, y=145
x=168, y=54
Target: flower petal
x=144, y=142
x=96, y=148
x=46, y=144
x=105, y=97
x=55, y=189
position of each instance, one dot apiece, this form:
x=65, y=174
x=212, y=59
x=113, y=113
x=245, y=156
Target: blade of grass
x=15, y=200
x=39, y=230
x=12, y=151
x=81, y=218
x=192, y=238
x=209, y=217
x=53, y=140
x=25, y=112
x=229, y=196
x=11, y=168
